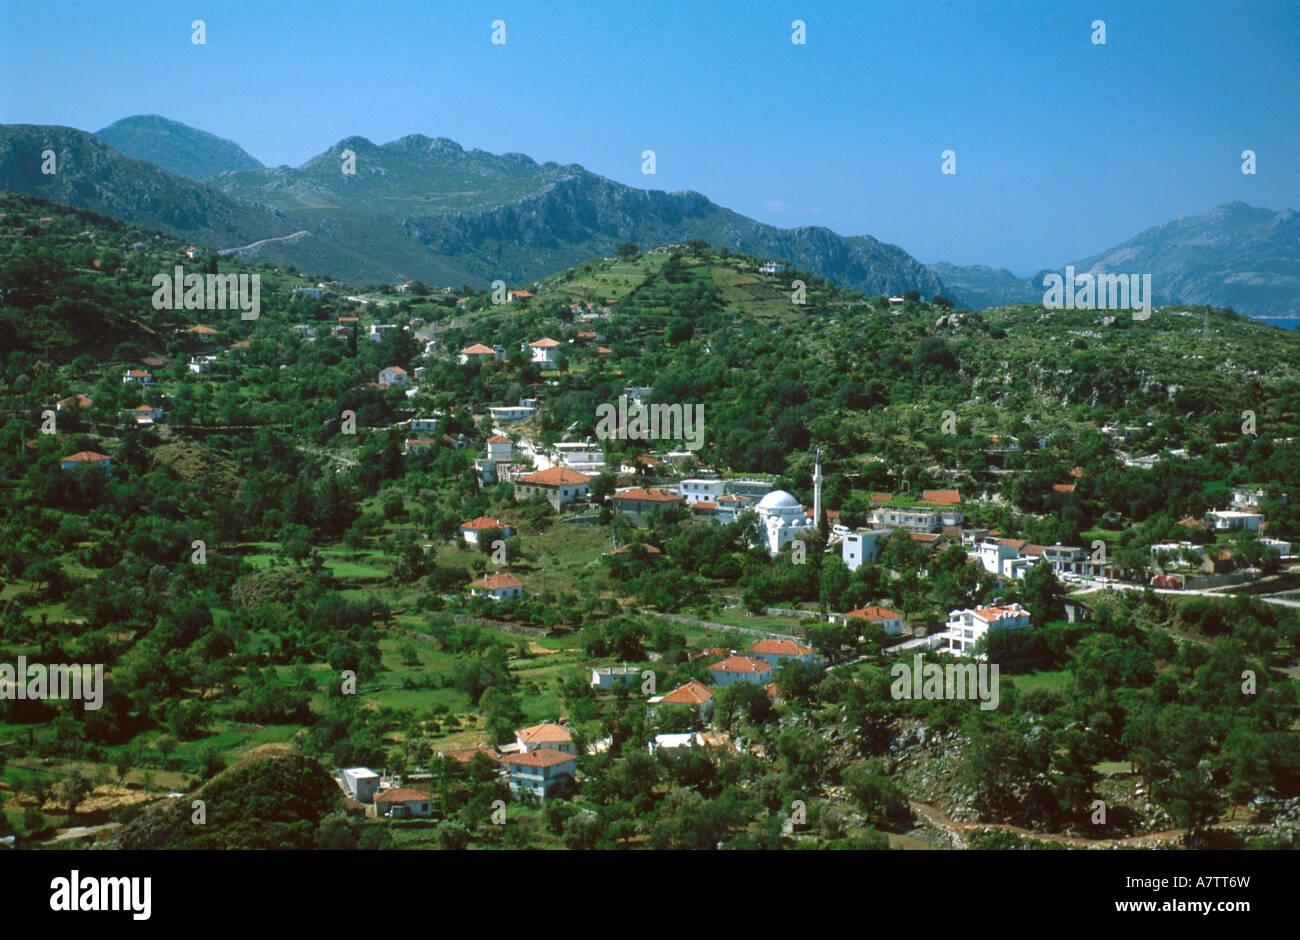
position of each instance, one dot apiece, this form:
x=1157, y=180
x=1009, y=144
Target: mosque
x=781, y=517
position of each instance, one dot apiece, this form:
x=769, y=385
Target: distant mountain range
x=426, y=208
x=415, y=208
x=1233, y=255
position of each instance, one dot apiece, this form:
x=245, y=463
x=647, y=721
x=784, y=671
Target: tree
x=73, y=789
x=626, y=251
x=1041, y=592
x=880, y=800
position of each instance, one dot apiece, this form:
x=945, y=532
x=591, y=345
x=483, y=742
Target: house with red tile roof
x=559, y=486
x=638, y=502
x=500, y=447
x=477, y=353
x=779, y=651
x=543, y=773
x=965, y=628
x=543, y=351
x=891, y=621
x=78, y=401
x=693, y=694
x=500, y=586
x=741, y=669
x=469, y=531
x=84, y=458
x=547, y=734
x=138, y=376
x=402, y=803
x=393, y=375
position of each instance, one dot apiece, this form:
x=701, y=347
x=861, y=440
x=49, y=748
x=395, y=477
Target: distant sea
x=1290, y=324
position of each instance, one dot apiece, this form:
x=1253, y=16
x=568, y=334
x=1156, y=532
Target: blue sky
x=1064, y=148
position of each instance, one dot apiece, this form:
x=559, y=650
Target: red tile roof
x=692, y=693
x=741, y=664
x=649, y=496
x=498, y=439
x=554, y=476
x=874, y=613
x=1063, y=487
x=997, y=613
x=542, y=757
x=945, y=497
x=546, y=343
x=495, y=582
x=780, y=648
x=483, y=522
x=548, y=732
x=478, y=349
x=88, y=456
x=402, y=795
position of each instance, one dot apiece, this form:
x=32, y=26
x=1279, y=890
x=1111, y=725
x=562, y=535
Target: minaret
x=817, y=490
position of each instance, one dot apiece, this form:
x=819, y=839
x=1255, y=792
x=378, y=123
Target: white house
x=393, y=375
x=741, y=669
x=861, y=546
x=677, y=739
x=469, y=531
x=726, y=509
x=362, y=783
x=1234, y=519
x=137, y=376
x=994, y=553
x=477, y=353
x=379, y=330
x=1064, y=558
x=499, y=447
x=1283, y=548
x=702, y=491
x=500, y=586
x=547, y=734
x=966, y=627
x=607, y=677
x=510, y=412
x=912, y=518
x=1251, y=497
x=543, y=351
x=201, y=365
